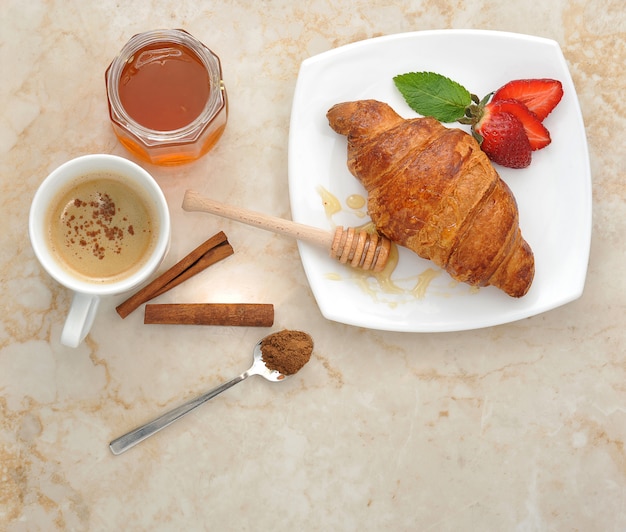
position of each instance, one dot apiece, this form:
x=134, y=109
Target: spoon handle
x=132, y=438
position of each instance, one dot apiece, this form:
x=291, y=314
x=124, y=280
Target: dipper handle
x=193, y=201
x=349, y=246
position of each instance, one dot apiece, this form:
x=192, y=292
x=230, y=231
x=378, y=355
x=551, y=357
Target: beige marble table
x=514, y=427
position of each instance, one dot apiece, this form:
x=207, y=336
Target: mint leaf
x=431, y=94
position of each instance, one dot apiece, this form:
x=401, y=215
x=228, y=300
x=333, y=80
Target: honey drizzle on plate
x=384, y=282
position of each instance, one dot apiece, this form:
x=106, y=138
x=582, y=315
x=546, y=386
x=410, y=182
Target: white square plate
x=553, y=193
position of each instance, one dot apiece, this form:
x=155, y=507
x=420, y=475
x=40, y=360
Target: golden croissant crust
x=433, y=190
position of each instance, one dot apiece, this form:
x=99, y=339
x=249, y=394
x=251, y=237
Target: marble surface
x=515, y=427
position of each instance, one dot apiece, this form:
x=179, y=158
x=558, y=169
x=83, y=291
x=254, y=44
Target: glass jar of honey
x=167, y=99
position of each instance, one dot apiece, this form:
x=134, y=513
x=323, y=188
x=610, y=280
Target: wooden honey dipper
x=358, y=248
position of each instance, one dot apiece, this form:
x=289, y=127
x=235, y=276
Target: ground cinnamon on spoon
x=286, y=351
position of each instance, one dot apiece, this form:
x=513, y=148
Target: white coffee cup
x=87, y=291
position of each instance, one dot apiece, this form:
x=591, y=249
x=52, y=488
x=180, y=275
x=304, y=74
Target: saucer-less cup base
x=87, y=294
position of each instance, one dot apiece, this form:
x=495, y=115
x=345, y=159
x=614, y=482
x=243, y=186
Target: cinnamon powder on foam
x=287, y=351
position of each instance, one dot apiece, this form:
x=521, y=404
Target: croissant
x=433, y=190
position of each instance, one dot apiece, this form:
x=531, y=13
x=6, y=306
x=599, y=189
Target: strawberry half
x=503, y=138
x=541, y=96
x=507, y=123
x=538, y=135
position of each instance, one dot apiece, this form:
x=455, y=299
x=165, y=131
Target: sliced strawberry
x=538, y=135
x=503, y=138
x=541, y=96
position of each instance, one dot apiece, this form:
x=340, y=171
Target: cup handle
x=80, y=319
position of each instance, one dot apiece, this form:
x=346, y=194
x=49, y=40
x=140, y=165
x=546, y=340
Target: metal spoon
x=132, y=438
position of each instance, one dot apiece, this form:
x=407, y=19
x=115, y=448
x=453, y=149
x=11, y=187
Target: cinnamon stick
x=209, y=252
x=210, y=257
x=229, y=314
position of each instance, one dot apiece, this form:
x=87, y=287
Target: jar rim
x=213, y=106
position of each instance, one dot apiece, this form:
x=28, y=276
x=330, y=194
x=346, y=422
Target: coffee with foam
x=102, y=228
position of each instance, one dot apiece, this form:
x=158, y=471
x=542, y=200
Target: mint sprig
x=431, y=94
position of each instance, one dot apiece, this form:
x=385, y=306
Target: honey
x=167, y=100
x=164, y=86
